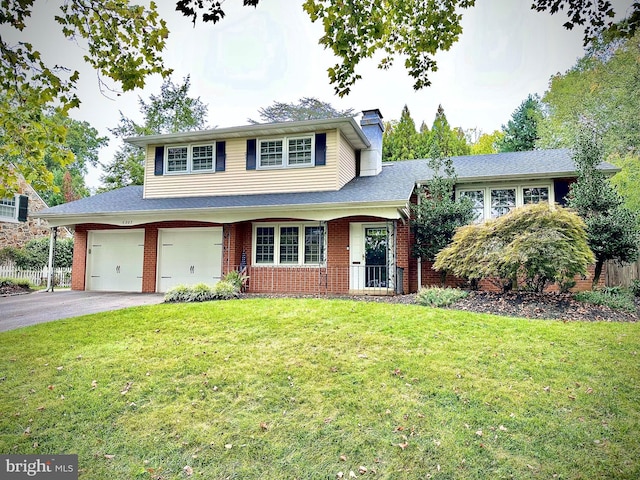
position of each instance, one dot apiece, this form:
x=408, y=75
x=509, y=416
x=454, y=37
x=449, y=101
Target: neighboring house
x=305, y=207
x=17, y=224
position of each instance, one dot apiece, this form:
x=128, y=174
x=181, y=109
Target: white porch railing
x=62, y=276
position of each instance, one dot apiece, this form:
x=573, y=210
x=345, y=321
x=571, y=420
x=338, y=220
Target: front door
x=370, y=258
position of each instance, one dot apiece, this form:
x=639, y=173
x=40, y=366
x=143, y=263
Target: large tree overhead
x=307, y=108
x=172, y=111
x=521, y=132
x=415, y=30
x=122, y=42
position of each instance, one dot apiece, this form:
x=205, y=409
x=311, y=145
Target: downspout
x=52, y=249
x=419, y=257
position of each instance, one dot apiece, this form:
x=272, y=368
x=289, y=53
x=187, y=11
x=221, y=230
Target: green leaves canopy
x=122, y=43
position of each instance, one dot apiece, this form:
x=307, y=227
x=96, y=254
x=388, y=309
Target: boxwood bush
x=201, y=292
x=439, y=297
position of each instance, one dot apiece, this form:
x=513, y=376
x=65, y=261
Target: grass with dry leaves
x=312, y=388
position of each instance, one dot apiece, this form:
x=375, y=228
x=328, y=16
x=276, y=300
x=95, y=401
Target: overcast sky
x=257, y=56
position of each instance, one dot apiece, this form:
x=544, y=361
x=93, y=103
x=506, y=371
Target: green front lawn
x=306, y=388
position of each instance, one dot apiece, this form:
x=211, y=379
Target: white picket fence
x=62, y=276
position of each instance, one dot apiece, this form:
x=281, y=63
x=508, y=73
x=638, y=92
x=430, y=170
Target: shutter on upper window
x=251, y=154
x=221, y=156
x=321, y=149
x=159, y=163
x=23, y=208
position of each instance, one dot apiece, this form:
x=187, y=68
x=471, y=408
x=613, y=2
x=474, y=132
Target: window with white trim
x=286, y=152
x=477, y=200
x=535, y=195
x=494, y=201
x=295, y=244
x=8, y=208
x=503, y=200
x=190, y=158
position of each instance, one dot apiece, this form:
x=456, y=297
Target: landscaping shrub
x=536, y=244
x=21, y=282
x=635, y=287
x=201, y=292
x=35, y=254
x=235, y=278
x=615, y=298
x=439, y=297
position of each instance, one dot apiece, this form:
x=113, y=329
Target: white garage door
x=187, y=256
x=114, y=260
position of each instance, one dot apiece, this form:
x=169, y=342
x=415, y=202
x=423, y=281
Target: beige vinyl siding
x=346, y=161
x=236, y=179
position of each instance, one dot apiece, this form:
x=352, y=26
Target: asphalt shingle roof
x=394, y=184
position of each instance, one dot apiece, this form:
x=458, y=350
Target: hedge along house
x=304, y=207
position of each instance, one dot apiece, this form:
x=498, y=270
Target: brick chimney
x=371, y=158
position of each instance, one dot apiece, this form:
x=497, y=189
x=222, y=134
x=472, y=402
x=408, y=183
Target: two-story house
x=305, y=207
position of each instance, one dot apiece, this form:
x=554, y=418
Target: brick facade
x=332, y=278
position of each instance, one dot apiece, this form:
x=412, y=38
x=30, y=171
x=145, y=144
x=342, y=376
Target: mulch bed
x=6, y=290
x=527, y=305
x=548, y=305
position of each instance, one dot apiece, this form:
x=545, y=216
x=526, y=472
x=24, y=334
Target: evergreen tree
x=521, y=132
x=399, y=139
x=437, y=214
x=612, y=229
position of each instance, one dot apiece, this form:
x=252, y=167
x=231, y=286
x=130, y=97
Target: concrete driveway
x=22, y=310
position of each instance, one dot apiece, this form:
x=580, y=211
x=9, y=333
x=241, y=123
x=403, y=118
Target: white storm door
x=187, y=256
x=114, y=260
x=369, y=250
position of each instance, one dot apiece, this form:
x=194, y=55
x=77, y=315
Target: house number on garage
x=127, y=222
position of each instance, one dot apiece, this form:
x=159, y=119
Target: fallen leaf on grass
x=352, y=474
x=264, y=426
x=403, y=445
x=589, y=390
x=94, y=384
x=343, y=458
x=340, y=475
x=479, y=433
x=27, y=431
x=109, y=457
x=126, y=388
x=362, y=470
x=188, y=470
x=59, y=368
x=547, y=389
x=51, y=387
x=228, y=446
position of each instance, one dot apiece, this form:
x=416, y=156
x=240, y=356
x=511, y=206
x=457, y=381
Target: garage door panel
x=189, y=256
x=115, y=260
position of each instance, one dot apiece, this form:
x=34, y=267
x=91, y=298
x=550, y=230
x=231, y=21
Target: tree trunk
x=596, y=274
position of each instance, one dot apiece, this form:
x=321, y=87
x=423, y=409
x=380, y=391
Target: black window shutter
x=221, y=156
x=159, y=165
x=23, y=208
x=321, y=149
x=561, y=189
x=251, y=154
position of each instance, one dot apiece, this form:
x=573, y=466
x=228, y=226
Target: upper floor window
x=189, y=158
x=286, y=152
x=8, y=208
